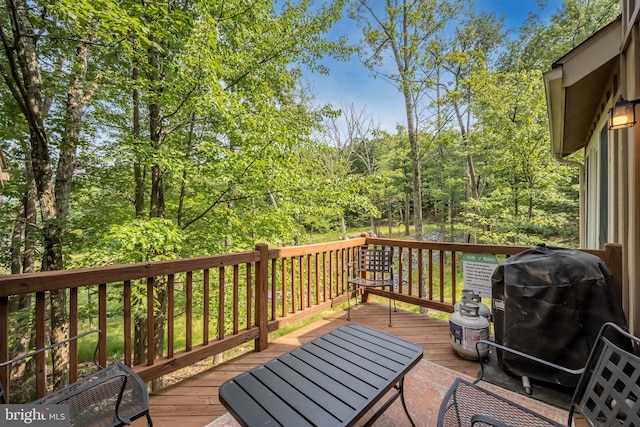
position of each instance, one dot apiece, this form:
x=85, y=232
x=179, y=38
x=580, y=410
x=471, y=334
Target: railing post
x=613, y=259
x=262, y=298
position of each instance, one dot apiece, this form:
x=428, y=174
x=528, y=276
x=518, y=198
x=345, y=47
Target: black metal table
x=331, y=381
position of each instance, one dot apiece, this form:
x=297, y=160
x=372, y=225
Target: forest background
x=140, y=131
x=158, y=130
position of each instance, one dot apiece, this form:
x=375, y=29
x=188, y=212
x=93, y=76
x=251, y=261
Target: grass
x=397, y=232
x=297, y=325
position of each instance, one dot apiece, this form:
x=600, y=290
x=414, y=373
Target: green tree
x=523, y=181
x=460, y=59
x=540, y=43
x=49, y=68
x=355, y=139
x=401, y=33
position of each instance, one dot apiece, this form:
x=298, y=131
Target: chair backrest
x=375, y=260
x=4, y=396
x=608, y=392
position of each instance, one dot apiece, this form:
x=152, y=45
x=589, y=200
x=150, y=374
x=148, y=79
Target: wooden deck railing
x=216, y=303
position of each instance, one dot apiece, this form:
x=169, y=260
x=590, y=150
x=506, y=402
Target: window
x=597, y=191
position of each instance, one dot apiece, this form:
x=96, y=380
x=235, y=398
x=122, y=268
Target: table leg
x=399, y=393
x=404, y=404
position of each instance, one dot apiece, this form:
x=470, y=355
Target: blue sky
x=351, y=83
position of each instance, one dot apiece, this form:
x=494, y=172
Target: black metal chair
x=111, y=397
x=607, y=394
x=374, y=269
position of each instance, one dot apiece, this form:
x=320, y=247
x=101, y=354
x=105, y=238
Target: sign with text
x=477, y=270
x=34, y=415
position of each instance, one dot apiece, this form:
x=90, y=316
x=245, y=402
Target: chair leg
x=349, y=302
x=394, y=299
x=394, y=304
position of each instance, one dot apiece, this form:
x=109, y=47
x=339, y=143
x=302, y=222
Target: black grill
x=551, y=302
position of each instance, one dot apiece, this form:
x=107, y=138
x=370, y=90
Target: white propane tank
x=471, y=296
x=466, y=328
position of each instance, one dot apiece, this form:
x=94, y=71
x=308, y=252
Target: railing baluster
x=317, y=275
x=150, y=321
x=331, y=292
x=309, y=301
x=431, y=274
x=441, y=253
x=454, y=292
x=248, y=295
x=206, y=295
x=221, y=303
x=236, y=314
x=189, y=312
x=73, y=331
x=102, y=322
x=324, y=276
x=410, y=272
x=41, y=368
x=294, y=288
x=274, y=293
x=400, y=265
x=343, y=266
x=284, y=287
x=127, y=321
x=420, y=275
x=302, y=284
x=171, y=304
x=339, y=287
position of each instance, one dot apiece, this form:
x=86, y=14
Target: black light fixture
x=623, y=114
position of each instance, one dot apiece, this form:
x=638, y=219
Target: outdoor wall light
x=623, y=114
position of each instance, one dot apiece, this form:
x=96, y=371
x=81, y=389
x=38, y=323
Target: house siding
x=627, y=160
x=597, y=74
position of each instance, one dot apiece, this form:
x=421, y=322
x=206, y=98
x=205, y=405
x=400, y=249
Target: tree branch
x=221, y=195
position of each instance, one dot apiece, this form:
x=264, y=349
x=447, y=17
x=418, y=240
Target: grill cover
x=550, y=302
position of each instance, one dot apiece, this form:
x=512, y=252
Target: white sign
x=477, y=270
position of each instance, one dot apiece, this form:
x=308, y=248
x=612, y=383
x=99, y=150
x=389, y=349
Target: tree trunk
x=272, y=198
x=76, y=101
x=443, y=208
x=23, y=252
x=139, y=323
x=16, y=238
x=17, y=303
x=140, y=337
x=390, y=218
x=30, y=100
x=228, y=241
x=30, y=222
x=160, y=317
x=415, y=164
x=185, y=174
x=473, y=180
x=451, y=225
x=138, y=168
x=157, y=202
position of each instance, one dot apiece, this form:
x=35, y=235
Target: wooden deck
x=194, y=402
